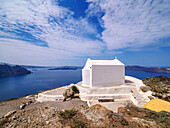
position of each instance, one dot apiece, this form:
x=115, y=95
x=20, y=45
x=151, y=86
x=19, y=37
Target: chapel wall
x=107, y=75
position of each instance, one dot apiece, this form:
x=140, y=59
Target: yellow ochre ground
x=158, y=105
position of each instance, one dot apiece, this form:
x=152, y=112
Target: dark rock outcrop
x=7, y=70
x=68, y=93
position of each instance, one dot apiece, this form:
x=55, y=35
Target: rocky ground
x=75, y=113
x=159, y=85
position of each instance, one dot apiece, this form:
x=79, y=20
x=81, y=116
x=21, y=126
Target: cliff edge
x=12, y=70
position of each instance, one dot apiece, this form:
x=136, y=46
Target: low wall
x=136, y=81
x=96, y=97
x=44, y=97
x=130, y=91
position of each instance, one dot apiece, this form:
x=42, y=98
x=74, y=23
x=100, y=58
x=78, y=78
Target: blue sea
x=43, y=79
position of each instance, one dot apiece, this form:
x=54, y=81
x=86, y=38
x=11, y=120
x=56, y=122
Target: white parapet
x=43, y=97
x=128, y=91
x=115, y=92
x=52, y=95
x=136, y=81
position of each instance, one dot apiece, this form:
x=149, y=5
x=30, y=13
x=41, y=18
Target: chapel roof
x=90, y=62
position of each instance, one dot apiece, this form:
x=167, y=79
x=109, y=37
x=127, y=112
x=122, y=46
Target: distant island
x=12, y=70
x=140, y=68
x=149, y=69
x=66, y=68
x=29, y=66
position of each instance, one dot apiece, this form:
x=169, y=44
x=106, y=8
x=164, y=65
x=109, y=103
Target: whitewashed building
x=104, y=81
x=102, y=73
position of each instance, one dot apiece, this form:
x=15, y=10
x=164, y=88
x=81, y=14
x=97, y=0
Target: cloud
x=50, y=31
x=25, y=53
x=131, y=24
x=45, y=20
x=39, y=22
x=22, y=52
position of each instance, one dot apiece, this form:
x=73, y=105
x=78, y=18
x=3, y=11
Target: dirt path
x=6, y=106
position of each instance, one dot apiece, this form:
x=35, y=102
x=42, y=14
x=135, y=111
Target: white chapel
x=104, y=82
x=102, y=73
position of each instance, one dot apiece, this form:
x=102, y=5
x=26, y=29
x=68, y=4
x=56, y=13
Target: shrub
x=75, y=89
x=150, y=119
x=164, y=114
x=163, y=121
x=78, y=124
x=124, y=122
x=67, y=114
x=152, y=114
x=158, y=89
x=139, y=125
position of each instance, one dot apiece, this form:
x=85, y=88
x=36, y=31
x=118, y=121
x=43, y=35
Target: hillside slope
x=8, y=70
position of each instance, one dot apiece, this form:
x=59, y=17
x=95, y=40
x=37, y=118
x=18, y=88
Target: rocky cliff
x=8, y=70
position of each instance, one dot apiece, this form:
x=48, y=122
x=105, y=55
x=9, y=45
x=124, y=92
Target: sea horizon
x=44, y=79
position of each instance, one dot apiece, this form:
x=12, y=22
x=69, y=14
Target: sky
x=67, y=32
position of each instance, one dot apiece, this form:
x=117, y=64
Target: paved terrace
x=135, y=96
x=52, y=95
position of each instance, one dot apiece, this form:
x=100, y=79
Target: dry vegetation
x=159, y=85
x=86, y=117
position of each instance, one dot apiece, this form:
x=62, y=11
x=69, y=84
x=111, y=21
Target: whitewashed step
x=105, y=96
x=138, y=99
